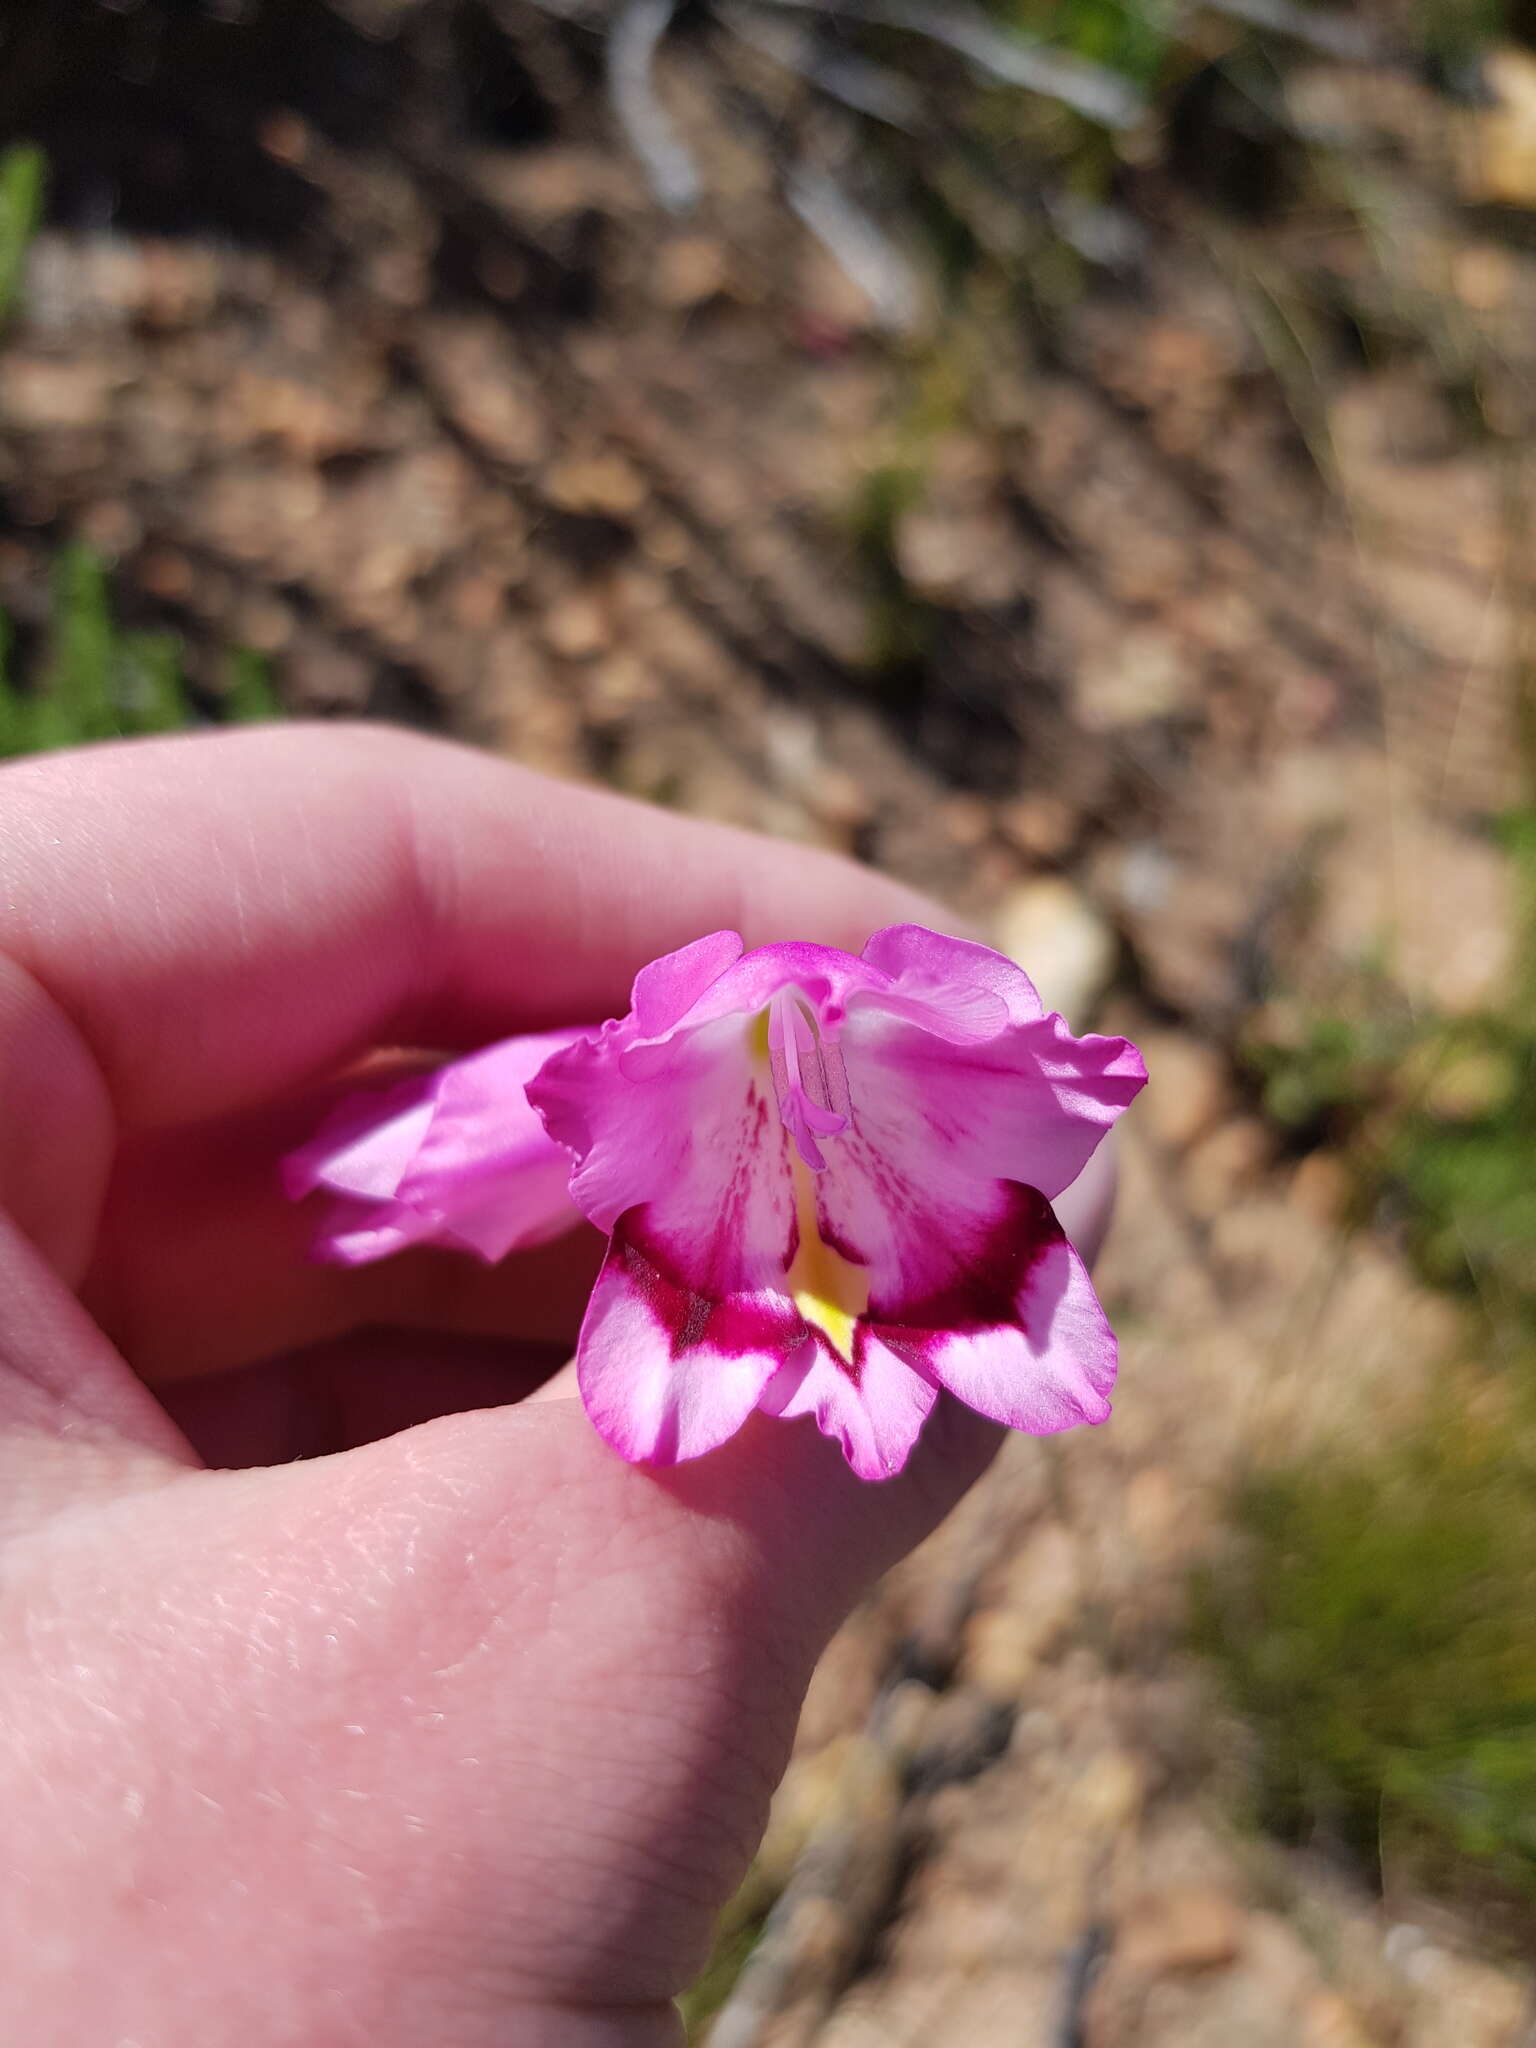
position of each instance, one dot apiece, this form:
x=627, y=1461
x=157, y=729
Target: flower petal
x=1029, y=1104
x=491, y=1215
x=458, y=1156
x=699, y=1144
x=667, y=990
x=366, y=1145
x=355, y=1233
x=667, y=1373
x=875, y=1409
x=827, y=978
x=1017, y=1333
x=932, y=967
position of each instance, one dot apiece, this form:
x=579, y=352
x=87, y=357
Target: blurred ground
x=1153, y=583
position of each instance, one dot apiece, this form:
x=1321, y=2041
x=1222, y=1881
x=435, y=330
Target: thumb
x=75, y=1421
x=467, y=1733
x=570, y=1684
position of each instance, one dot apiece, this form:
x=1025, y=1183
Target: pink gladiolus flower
x=455, y=1157
x=827, y=1183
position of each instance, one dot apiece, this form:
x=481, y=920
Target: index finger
x=222, y=916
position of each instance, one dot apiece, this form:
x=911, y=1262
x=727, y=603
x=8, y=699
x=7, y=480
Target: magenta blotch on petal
x=1015, y=1328
x=667, y=1373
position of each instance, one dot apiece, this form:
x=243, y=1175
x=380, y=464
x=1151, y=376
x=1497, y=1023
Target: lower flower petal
x=1022, y=1338
x=875, y=1409
x=665, y=1373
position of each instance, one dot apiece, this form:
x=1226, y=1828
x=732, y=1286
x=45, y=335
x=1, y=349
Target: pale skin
x=454, y=1729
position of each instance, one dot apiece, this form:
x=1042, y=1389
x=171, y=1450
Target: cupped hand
x=346, y=1695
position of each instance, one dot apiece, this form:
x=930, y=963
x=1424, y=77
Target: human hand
x=457, y=1729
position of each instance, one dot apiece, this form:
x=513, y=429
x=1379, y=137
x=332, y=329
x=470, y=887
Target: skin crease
x=461, y=1729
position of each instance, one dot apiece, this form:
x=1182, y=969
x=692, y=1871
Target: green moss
x=901, y=624
x=1454, y=32
x=98, y=681
x=249, y=698
x=1134, y=39
x=1327, y=1064
x=23, y=183
x=1375, y=1629
x=1374, y=1624
x=1471, y=1188
x=1464, y=1152
x=78, y=699
x=737, y=1934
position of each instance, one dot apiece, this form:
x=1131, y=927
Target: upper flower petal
x=699, y=1144
x=961, y=1008
x=935, y=968
x=668, y=989
x=667, y=1373
x=1027, y=1104
x=827, y=978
